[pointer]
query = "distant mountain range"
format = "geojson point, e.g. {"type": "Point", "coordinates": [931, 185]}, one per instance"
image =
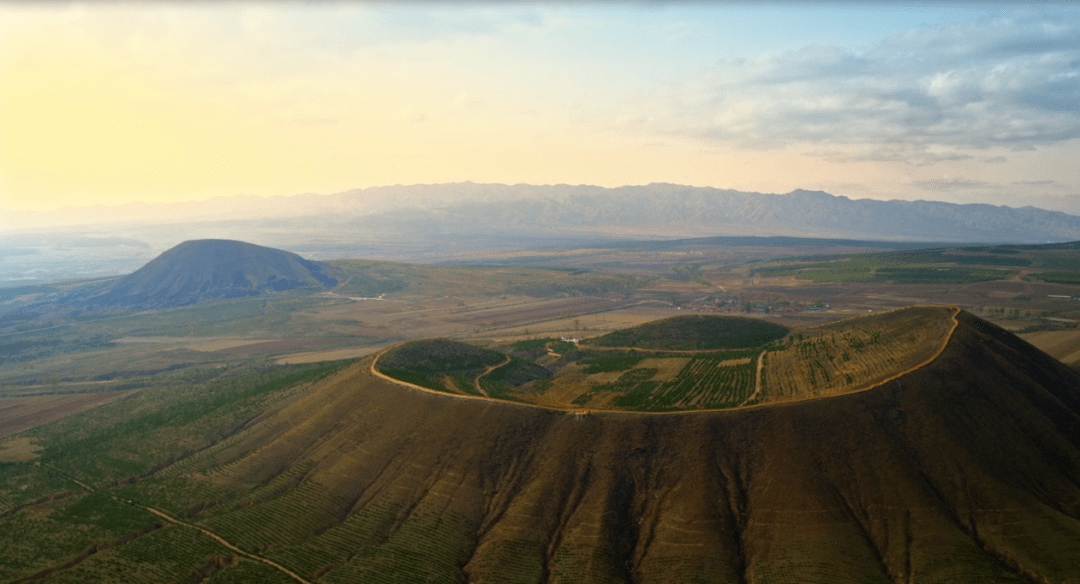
{"type": "Point", "coordinates": [439, 223]}
{"type": "Point", "coordinates": [674, 210]}
{"type": "Point", "coordinates": [655, 210]}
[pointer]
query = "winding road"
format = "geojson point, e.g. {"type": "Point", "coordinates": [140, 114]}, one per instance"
{"type": "Point", "coordinates": [476, 382]}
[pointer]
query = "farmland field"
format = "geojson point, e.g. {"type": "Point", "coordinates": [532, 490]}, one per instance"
{"type": "Point", "coordinates": [843, 356]}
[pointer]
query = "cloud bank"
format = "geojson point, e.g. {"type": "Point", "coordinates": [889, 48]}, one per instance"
{"type": "Point", "coordinates": [924, 96]}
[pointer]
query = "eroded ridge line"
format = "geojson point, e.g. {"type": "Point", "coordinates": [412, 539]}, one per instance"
{"type": "Point", "coordinates": [373, 368]}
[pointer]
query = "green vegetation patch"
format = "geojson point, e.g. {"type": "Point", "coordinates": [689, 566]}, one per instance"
{"type": "Point", "coordinates": [1057, 277]}
{"type": "Point", "coordinates": [708, 381]}
{"type": "Point", "coordinates": [576, 283]}
{"type": "Point", "coordinates": [371, 280]}
{"type": "Point", "coordinates": [133, 436]}
{"type": "Point", "coordinates": [938, 275]}
{"type": "Point", "coordinates": [696, 332]}
{"type": "Point", "coordinates": [421, 379]}
{"type": "Point", "coordinates": [634, 380]}
{"type": "Point", "coordinates": [39, 345]}
{"type": "Point", "coordinates": [607, 363]}
{"type": "Point", "coordinates": [902, 267]}
{"type": "Point", "coordinates": [426, 547]}
{"type": "Point", "coordinates": [501, 381]}
{"type": "Point", "coordinates": [438, 356]}
{"type": "Point", "coordinates": [1059, 261]}
{"type": "Point", "coordinates": [530, 349]}
{"type": "Point", "coordinates": [39, 538]}
{"type": "Point", "coordinates": [531, 344]}
{"type": "Point", "coordinates": [22, 483]}
{"type": "Point", "coordinates": [171, 553]}
{"type": "Point", "coordinates": [429, 363]}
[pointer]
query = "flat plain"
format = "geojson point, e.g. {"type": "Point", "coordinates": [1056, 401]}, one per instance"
{"type": "Point", "coordinates": [561, 293]}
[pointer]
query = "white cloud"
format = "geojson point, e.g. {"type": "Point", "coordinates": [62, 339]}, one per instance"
{"type": "Point", "coordinates": [925, 96]}
{"type": "Point", "coordinates": [949, 183]}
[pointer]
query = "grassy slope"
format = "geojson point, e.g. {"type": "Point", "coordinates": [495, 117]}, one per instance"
{"type": "Point", "coordinates": [47, 516]}
{"type": "Point", "coordinates": [371, 278]}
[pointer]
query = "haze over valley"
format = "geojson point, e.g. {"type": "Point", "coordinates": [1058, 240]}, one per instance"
{"type": "Point", "coordinates": [456, 222]}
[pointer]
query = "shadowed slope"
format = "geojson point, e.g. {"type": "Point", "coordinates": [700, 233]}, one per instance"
{"type": "Point", "coordinates": [966, 470]}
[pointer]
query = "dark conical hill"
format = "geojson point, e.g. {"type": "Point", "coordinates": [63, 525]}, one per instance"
{"type": "Point", "coordinates": [695, 332]}
{"type": "Point", "coordinates": [211, 269]}
{"type": "Point", "coordinates": [964, 470]}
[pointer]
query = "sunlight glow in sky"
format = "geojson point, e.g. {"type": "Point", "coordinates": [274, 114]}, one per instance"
{"type": "Point", "coordinates": [114, 103]}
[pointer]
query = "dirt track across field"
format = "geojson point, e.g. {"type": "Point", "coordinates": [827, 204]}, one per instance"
{"type": "Point", "coordinates": [228, 545]}
{"type": "Point", "coordinates": [476, 382]}
{"type": "Point", "coordinates": [207, 532]}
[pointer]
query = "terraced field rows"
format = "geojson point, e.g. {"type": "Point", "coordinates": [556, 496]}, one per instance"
{"type": "Point", "coordinates": [20, 485]}
{"type": "Point", "coordinates": [703, 381]}
{"type": "Point", "coordinates": [838, 358]}
{"type": "Point", "coordinates": [426, 547]}
{"type": "Point", "coordinates": [159, 556]}
{"type": "Point", "coordinates": [708, 381]}
{"type": "Point", "coordinates": [337, 545]}
{"type": "Point", "coordinates": [667, 369]}
{"type": "Point", "coordinates": [299, 508]}
{"type": "Point", "coordinates": [174, 495]}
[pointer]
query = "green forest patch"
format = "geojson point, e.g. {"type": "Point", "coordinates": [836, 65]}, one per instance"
{"type": "Point", "coordinates": [902, 267]}
{"type": "Point", "coordinates": [1057, 277]}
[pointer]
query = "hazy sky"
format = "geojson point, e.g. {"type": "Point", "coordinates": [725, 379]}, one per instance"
{"type": "Point", "coordinates": [113, 103]}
